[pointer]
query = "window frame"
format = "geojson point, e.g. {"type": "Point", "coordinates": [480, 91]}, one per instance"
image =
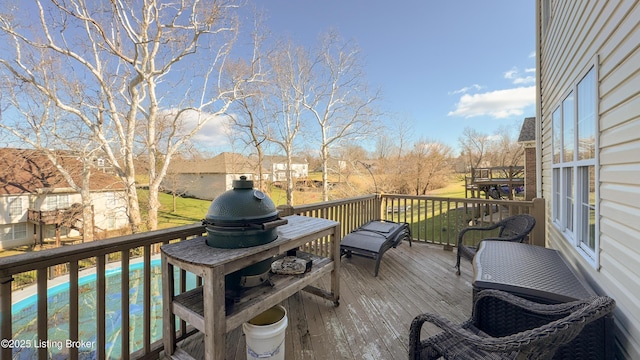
{"type": "Point", "coordinates": [16, 209]}
{"type": "Point", "coordinates": [575, 210]}
{"type": "Point", "coordinates": [8, 232]}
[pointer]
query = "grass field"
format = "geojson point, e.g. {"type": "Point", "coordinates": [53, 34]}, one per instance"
{"type": "Point", "coordinates": [189, 211]}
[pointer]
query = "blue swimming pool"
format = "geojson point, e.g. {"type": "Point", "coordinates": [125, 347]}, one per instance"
{"type": "Point", "coordinates": [24, 315]}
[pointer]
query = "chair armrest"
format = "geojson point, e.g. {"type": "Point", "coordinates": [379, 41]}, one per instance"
{"type": "Point", "coordinates": [475, 228]}
{"type": "Point", "coordinates": [539, 342]}
{"type": "Point", "coordinates": [524, 304]}
{"type": "Point", "coordinates": [514, 238]}
{"type": "Point", "coordinates": [441, 322]}
{"type": "Point", "coordinates": [464, 336]}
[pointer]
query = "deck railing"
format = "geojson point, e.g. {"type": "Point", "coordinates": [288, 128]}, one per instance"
{"type": "Point", "coordinates": [439, 220]}
{"type": "Point", "coordinates": [99, 257]}
{"type": "Point", "coordinates": [432, 219]}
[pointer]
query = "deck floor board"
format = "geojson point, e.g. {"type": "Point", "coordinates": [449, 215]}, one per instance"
{"type": "Point", "coordinates": [373, 319]}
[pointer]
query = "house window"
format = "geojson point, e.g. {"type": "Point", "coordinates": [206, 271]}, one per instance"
{"type": "Point", "coordinates": [574, 165]}
{"type": "Point", "coordinates": [13, 231]}
{"type": "Point", "coordinates": [111, 200]}
{"type": "Point", "coordinates": [60, 201]}
{"type": "Point", "coordinates": [15, 206]}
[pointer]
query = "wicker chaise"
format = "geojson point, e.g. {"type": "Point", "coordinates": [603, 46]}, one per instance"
{"type": "Point", "coordinates": [514, 228]}
{"type": "Point", "coordinates": [471, 341]}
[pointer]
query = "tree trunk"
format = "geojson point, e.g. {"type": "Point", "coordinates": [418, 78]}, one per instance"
{"type": "Point", "coordinates": [133, 206]}
{"type": "Point", "coordinates": [154, 205]}
{"type": "Point", "coordinates": [325, 173]}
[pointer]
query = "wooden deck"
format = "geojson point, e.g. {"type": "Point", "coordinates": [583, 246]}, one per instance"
{"type": "Point", "coordinates": [372, 321]}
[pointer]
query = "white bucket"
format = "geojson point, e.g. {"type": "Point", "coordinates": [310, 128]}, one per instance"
{"type": "Point", "coordinates": [265, 334]}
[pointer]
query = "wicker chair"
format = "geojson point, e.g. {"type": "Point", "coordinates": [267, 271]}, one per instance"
{"type": "Point", "coordinates": [514, 228]}
{"type": "Point", "coordinates": [468, 341]}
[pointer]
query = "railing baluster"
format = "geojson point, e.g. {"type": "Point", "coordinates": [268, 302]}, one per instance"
{"type": "Point", "coordinates": [5, 315]}
{"type": "Point", "coordinates": [146, 311]}
{"type": "Point", "coordinates": [101, 287]}
{"type": "Point", "coordinates": [124, 299]}
{"type": "Point", "coordinates": [43, 317]}
{"type": "Point", "coordinates": [183, 288]}
{"type": "Point", "coordinates": [73, 308]}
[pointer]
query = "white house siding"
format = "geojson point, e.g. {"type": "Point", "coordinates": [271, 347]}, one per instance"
{"type": "Point", "coordinates": [607, 34]}
{"type": "Point", "coordinates": [110, 209]}
{"type": "Point", "coordinates": [109, 213]}
{"type": "Point", "coordinates": [205, 186]}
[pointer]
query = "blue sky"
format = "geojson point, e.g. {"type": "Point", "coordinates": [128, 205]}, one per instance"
{"type": "Point", "coordinates": [441, 65]}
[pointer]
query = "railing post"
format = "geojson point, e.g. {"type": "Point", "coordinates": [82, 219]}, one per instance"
{"type": "Point", "coordinates": [378, 206]}
{"type": "Point", "coordinates": [285, 210]}
{"type": "Point", "coordinates": [5, 315]}
{"type": "Point", "coordinates": [538, 211]}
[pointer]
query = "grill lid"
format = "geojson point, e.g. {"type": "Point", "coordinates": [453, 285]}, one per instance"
{"type": "Point", "coordinates": [240, 206]}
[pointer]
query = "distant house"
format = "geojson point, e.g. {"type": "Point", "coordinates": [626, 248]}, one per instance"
{"type": "Point", "coordinates": [37, 203]}
{"type": "Point", "coordinates": [276, 167]}
{"type": "Point", "coordinates": [207, 178]}
{"type": "Point", "coordinates": [588, 126]}
{"type": "Point", "coordinates": [527, 139]}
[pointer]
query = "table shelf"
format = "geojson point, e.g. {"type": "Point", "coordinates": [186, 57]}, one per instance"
{"type": "Point", "coordinates": [190, 305]}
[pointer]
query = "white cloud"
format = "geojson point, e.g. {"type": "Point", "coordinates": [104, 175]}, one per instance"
{"type": "Point", "coordinates": [498, 104]}
{"type": "Point", "coordinates": [511, 73]}
{"type": "Point", "coordinates": [524, 80]}
{"type": "Point", "coordinates": [465, 90]}
{"type": "Point", "coordinates": [517, 79]}
{"type": "Point", "coordinates": [216, 128]}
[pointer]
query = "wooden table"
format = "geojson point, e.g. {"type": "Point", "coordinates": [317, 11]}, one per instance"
{"type": "Point", "coordinates": [204, 306]}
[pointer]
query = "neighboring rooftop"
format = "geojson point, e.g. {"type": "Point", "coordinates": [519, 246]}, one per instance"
{"type": "Point", "coordinates": [528, 130]}
{"type": "Point", "coordinates": [224, 163]}
{"type": "Point", "coordinates": [30, 171]}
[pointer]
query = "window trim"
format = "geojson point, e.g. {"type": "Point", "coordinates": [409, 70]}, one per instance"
{"type": "Point", "coordinates": [16, 207]}
{"type": "Point", "coordinates": [559, 216]}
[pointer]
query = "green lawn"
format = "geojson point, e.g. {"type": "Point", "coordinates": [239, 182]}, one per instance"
{"type": "Point", "coordinates": [434, 222]}
{"type": "Point", "coordinates": [188, 211]}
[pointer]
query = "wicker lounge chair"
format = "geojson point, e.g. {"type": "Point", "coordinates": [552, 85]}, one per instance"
{"type": "Point", "coordinates": [514, 228]}
{"type": "Point", "coordinates": [561, 323]}
{"type": "Point", "coordinates": [374, 238]}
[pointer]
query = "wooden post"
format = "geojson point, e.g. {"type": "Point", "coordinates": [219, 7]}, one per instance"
{"type": "Point", "coordinates": [285, 210]}
{"type": "Point", "coordinates": [539, 231]}
{"type": "Point", "coordinates": [5, 315]}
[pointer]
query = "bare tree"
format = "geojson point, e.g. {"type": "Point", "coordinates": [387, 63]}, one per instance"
{"type": "Point", "coordinates": [125, 64]}
{"type": "Point", "coordinates": [283, 98]}
{"type": "Point", "coordinates": [474, 146]}
{"type": "Point", "coordinates": [430, 165]}
{"type": "Point", "coordinates": [338, 98]}
{"type": "Point", "coordinates": [249, 78]}
{"type": "Point", "coordinates": [391, 169]}
{"type": "Point", "coordinates": [504, 149]}
{"type": "Point", "coordinates": [37, 123]}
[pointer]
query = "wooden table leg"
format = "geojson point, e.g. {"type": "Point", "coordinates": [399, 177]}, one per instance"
{"type": "Point", "coordinates": [168, 318]}
{"type": "Point", "coordinates": [215, 321]}
{"type": "Point", "coordinates": [335, 273]}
